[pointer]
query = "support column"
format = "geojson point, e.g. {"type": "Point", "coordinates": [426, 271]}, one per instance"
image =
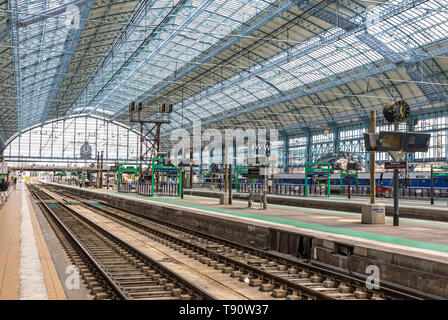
{"type": "Point", "coordinates": [200, 163]}
{"type": "Point", "coordinates": [411, 127]}
{"type": "Point", "coordinates": [286, 154]}
{"type": "Point", "coordinates": [336, 139]}
{"type": "Point", "coordinates": [366, 153]}
{"type": "Point", "coordinates": [309, 143]}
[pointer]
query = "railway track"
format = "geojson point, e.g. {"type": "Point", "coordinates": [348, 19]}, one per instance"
{"type": "Point", "coordinates": [111, 268]}
{"type": "Point", "coordinates": [283, 277]}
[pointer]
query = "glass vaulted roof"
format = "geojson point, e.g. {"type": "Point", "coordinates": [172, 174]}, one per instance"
{"type": "Point", "coordinates": [167, 35]}
{"type": "Point", "coordinates": [160, 43]}
{"type": "Point", "coordinates": [41, 48]}
{"type": "Point", "coordinates": [324, 57]}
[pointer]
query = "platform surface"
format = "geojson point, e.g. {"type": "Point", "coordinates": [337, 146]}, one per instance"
{"type": "Point", "coordinates": [26, 267]}
{"type": "Point", "coordinates": [420, 238]}
{"type": "Point", "coordinates": [439, 204]}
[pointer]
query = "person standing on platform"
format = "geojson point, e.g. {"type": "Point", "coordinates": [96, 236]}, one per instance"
{"type": "Point", "coordinates": [4, 190]}
{"type": "Point", "coordinates": [15, 183]}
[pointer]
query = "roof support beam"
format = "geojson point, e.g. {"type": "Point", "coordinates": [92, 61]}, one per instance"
{"type": "Point", "coordinates": [415, 71]}
{"type": "Point", "coordinates": [270, 16]}
{"type": "Point", "coordinates": [43, 15]}
{"type": "Point", "coordinates": [4, 33]}
{"type": "Point", "coordinates": [70, 48]}
{"type": "Point", "coordinates": [295, 52]}
{"type": "Point", "coordinates": [14, 18]}
{"type": "Point", "coordinates": [134, 21]}
{"type": "Point", "coordinates": [153, 53]}
{"type": "Point", "coordinates": [365, 37]}
{"type": "Point", "coordinates": [418, 73]}
{"type": "Point", "coordinates": [322, 87]}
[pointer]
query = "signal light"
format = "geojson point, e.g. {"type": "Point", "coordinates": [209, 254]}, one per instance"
{"type": "Point", "coordinates": [164, 108]}
{"type": "Point", "coordinates": [132, 106]}
{"type": "Point", "coordinates": [140, 106]}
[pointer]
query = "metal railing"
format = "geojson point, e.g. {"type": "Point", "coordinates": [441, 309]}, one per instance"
{"type": "Point", "coordinates": [163, 189]}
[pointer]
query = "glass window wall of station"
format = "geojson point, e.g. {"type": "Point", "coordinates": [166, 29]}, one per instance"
{"type": "Point", "coordinates": [76, 140]}
{"type": "Point", "coordinates": [297, 152]}
{"type": "Point", "coordinates": [438, 127]}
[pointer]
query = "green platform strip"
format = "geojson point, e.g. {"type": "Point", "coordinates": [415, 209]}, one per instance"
{"type": "Point", "coordinates": [404, 202]}
{"type": "Point", "coordinates": [52, 205]}
{"type": "Point", "coordinates": [358, 200]}
{"type": "Point", "coordinates": [347, 232]}
{"type": "Point", "coordinates": [297, 210]}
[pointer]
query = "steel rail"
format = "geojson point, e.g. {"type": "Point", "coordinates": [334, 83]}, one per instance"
{"type": "Point", "coordinates": [263, 254]}
{"type": "Point", "coordinates": [73, 239]}
{"type": "Point", "coordinates": [387, 289]}
{"type": "Point", "coordinates": [180, 280]}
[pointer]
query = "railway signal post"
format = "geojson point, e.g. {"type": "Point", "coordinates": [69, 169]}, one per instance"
{"type": "Point", "coordinates": [397, 144]}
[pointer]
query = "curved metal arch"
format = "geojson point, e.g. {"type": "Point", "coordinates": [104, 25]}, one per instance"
{"type": "Point", "coordinates": [338, 77]}
{"type": "Point", "coordinates": [38, 94]}
{"type": "Point", "coordinates": [239, 88]}
{"type": "Point", "coordinates": [439, 74]}
{"type": "Point", "coordinates": [412, 39]}
{"type": "Point", "coordinates": [278, 91]}
{"type": "Point", "coordinates": [209, 98]}
{"type": "Point", "coordinates": [55, 29]}
{"type": "Point", "coordinates": [224, 109]}
{"type": "Point", "coordinates": [197, 11]}
{"type": "Point", "coordinates": [264, 59]}
{"type": "Point", "coordinates": [257, 99]}
{"type": "Point", "coordinates": [37, 125]}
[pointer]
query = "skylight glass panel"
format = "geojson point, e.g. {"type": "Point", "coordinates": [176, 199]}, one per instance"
{"type": "Point", "coordinates": [424, 24]}
{"type": "Point", "coordinates": [42, 45]}
{"type": "Point", "coordinates": [181, 49]}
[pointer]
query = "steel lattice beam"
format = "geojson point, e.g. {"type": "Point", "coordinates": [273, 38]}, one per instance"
{"type": "Point", "coordinates": [234, 40]}
{"type": "Point", "coordinates": [415, 71]}
{"type": "Point", "coordinates": [197, 11]}
{"type": "Point", "coordinates": [319, 88]}
{"type": "Point", "coordinates": [273, 14]}
{"type": "Point", "coordinates": [38, 17]}
{"type": "Point", "coordinates": [69, 47]}
{"type": "Point", "coordinates": [295, 53]}
{"type": "Point", "coordinates": [14, 18]}
{"type": "Point", "coordinates": [4, 33]}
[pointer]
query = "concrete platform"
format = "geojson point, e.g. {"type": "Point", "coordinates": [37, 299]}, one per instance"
{"type": "Point", "coordinates": [414, 255]}
{"type": "Point", "coordinates": [27, 266]}
{"type": "Point", "coordinates": [420, 209]}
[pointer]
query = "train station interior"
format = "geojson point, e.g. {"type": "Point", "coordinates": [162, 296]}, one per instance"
{"type": "Point", "coordinates": [194, 150]}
